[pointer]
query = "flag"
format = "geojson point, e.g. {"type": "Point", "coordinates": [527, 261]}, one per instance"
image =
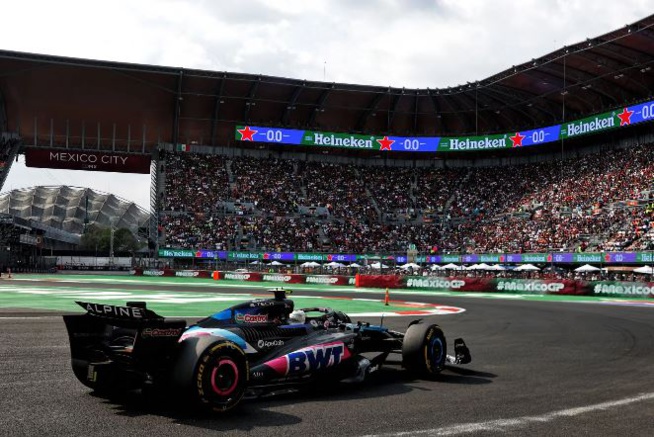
{"type": "Point", "coordinates": [183, 148]}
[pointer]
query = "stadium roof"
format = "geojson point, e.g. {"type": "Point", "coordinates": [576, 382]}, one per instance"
{"type": "Point", "coordinates": [63, 207]}
{"type": "Point", "coordinates": [55, 100]}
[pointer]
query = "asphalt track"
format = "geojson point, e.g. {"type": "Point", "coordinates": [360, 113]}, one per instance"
{"type": "Point", "coordinates": [539, 368]}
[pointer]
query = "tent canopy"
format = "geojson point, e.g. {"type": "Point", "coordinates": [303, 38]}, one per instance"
{"type": "Point", "coordinates": [587, 268]}
{"type": "Point", "coordinates": [410, 266]}
{"type": "Point", "coordinates": [451, 266]}
{"type": "Point", "coordinates": [527, 268]}
{"type": "Point", "coordinates": [334, 264]}
{"type": "Point", "coordinates": [310, 264]}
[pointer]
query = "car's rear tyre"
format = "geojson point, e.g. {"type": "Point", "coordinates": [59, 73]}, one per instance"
{"type": "Point", "coordinates": [214, 373]}
{"type": "Point", "coordinates": [424, 350]}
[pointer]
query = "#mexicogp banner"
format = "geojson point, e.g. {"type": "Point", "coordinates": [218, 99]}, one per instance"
{"type": "Point", "coordinates": [490, 285]}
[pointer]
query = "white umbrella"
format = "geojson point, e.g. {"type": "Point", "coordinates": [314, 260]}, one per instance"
{"type": "Point", "coordinates": [472, 267]}
{"type": "Point", "coordinates": [496, 267]}
{"type": "Point", "coordinates": [378, 265]}
{"type": "Point", "coordinates": [648, 270]}
{"type": "Point", "coordinates": [276, 263]}
{"type": "Point", "coordinates": [354, 265]}
{"type": "Point", "coordinates": [255, 262]}
{"type": "Point", "coordinates": [310, 264]}
{"type": "Point", "coordinates": [587, 268]}
{"type": "Point", "coordinates": [527, 268]}
{"type": "Point", "coordinates": [334, 264]}
{"type": "Point", "coordinates": [410, 266]}
{"type": "Point", "coordinates": [436, 267]}
{"type": "Point", "coordinates": [452, 267]}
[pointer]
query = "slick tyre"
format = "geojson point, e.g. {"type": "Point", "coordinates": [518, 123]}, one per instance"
{"type": "Point", "coordinates": [214, 373]}
{"type": "Point", "coordinates": [424, 350]}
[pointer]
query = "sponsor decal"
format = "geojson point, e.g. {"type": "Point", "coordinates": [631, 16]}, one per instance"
{"type": "Point", "coordinates": [115, 311]}
{"type": "Point", "coordinates": [321, 280]}
{"type": "Point", "coordinates": [270, 343]}
{"type": "Point", "coordinates": [261, 303]}
{"type": "Point", "coordinates": [238, 276]}
{"type": "Point", "coordinates": [251, 318]}
{"type": "Point", "coordinates": [435, 283]}
{"type": "Point", "coordinates": [589, 125]}
{"type": "Point", "coordinates": [187, 274]}
{"type": "Point", "coordinates": [176, 253]}
{"type": "Point", "coordinates": [626, 289]}
{"type": "Point", "coordinates": [477, 143]}
{"type": "Point", "coordinates": [153, 272]}
{"type": "Point", "coordinates": [161, 332]}
{"type": "Point", "coordinates": [341, 140]}
{"type": "Point", "coordinates": [538, 287]}
{"type": "Point", "coordinates": [277, 278]}
{"type": "Point", "coordinates": [310, 359]}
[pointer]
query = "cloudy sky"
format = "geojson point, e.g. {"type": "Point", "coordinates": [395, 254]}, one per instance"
{"type": "Point", "coordinates": [411, 43]}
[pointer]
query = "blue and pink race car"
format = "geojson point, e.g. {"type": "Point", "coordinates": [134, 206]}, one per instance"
{"type": "Point", "coordinates": [253, 348]}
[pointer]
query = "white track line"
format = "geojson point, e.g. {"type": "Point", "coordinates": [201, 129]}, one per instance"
{"type": "Point", "coordinates": [504, 425]}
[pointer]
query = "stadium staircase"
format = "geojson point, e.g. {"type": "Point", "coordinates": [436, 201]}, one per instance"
{"type": "Point", "coordinates": [230, 173]}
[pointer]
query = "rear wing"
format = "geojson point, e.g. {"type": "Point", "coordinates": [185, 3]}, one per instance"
{"type": "Point", "coordinates": [134, 313]}
{"type": "Point", "coordinates": [145, 334]}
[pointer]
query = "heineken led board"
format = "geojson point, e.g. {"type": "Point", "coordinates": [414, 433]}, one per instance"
{"type": "Point", "coordinates": [598, 123]}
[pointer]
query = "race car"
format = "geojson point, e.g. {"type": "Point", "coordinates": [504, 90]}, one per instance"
{"type": "Point", "coordinates": [253, 348]}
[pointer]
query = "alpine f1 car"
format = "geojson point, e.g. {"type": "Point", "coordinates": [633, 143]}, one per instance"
{"type": "Point", "coordinates": [256, 347]}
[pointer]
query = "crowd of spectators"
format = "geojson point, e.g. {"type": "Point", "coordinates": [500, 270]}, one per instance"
{"type": "Point", "coordinates": [272, 185]}
{"type": "Point", "coordinates": [594, 202]}
{"type": "Point", "coordinates": [337, 187]}
{"type": "Point", "coordinates": [194, 183]}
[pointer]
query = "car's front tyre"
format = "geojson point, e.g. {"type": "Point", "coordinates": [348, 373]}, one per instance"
{"type": "Point", "coordinates": [424, 350]}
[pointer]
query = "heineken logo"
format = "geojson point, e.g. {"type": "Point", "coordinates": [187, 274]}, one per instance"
{"type": "Point", "coordinates": [321, 139]}
{"type": "Point", "coordinates": [587, 126]}
{"type": "Point", "coordinates": [477, 144]}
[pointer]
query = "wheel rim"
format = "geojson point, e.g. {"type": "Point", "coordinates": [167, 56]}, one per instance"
{"type": "Point", "coordinates": [436, 352]}
{"type": "Point", "coordinates": [224, 377]}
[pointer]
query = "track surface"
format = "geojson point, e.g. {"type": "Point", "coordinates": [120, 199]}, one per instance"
{"type": "Point", "coordinates": [539, 368]}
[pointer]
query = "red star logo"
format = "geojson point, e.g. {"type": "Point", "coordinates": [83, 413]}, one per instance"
{"type": "Point", "coordinates": [266, 256]}
{"type": "Point", "coordinates": [330, 257]}
{"type": "Point", "coordinates": [501, 258]}
{"type": "Point", "coordinates": [247, 134]}
{"type": "Point", "coordinates": [549, 258]}
{"type": "Point", "coordinates": [517, 139]}
{"type": "Point", "coordinates": [625, 117]}
{"type": "Point", "coordinates": [607, 257]}
{"type": "Point", "coordinates": [198, 254]}
{"type": "Point", "coordinates": [385, 143]}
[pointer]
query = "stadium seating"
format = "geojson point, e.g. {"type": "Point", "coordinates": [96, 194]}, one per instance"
{"type": "Point", "coordinates": [600, 201]}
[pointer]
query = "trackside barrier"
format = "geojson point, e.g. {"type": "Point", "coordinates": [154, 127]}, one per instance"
{"type": "Point", "coordinates": [486, 285]}
{"type": "Point", "coordinates": [249, 276]}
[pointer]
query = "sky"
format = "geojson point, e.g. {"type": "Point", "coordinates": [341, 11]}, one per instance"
{"type": "Point", "coordinates": [410, 43]}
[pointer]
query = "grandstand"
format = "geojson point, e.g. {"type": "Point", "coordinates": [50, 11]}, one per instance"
{"type": "Point", "coordinates": [356, 178]}
{"type": "Point", "coordinates": [596, 202]}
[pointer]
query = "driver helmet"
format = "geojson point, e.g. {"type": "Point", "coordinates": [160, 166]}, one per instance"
{"type": "Point", "coordinates": [297, 316]}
